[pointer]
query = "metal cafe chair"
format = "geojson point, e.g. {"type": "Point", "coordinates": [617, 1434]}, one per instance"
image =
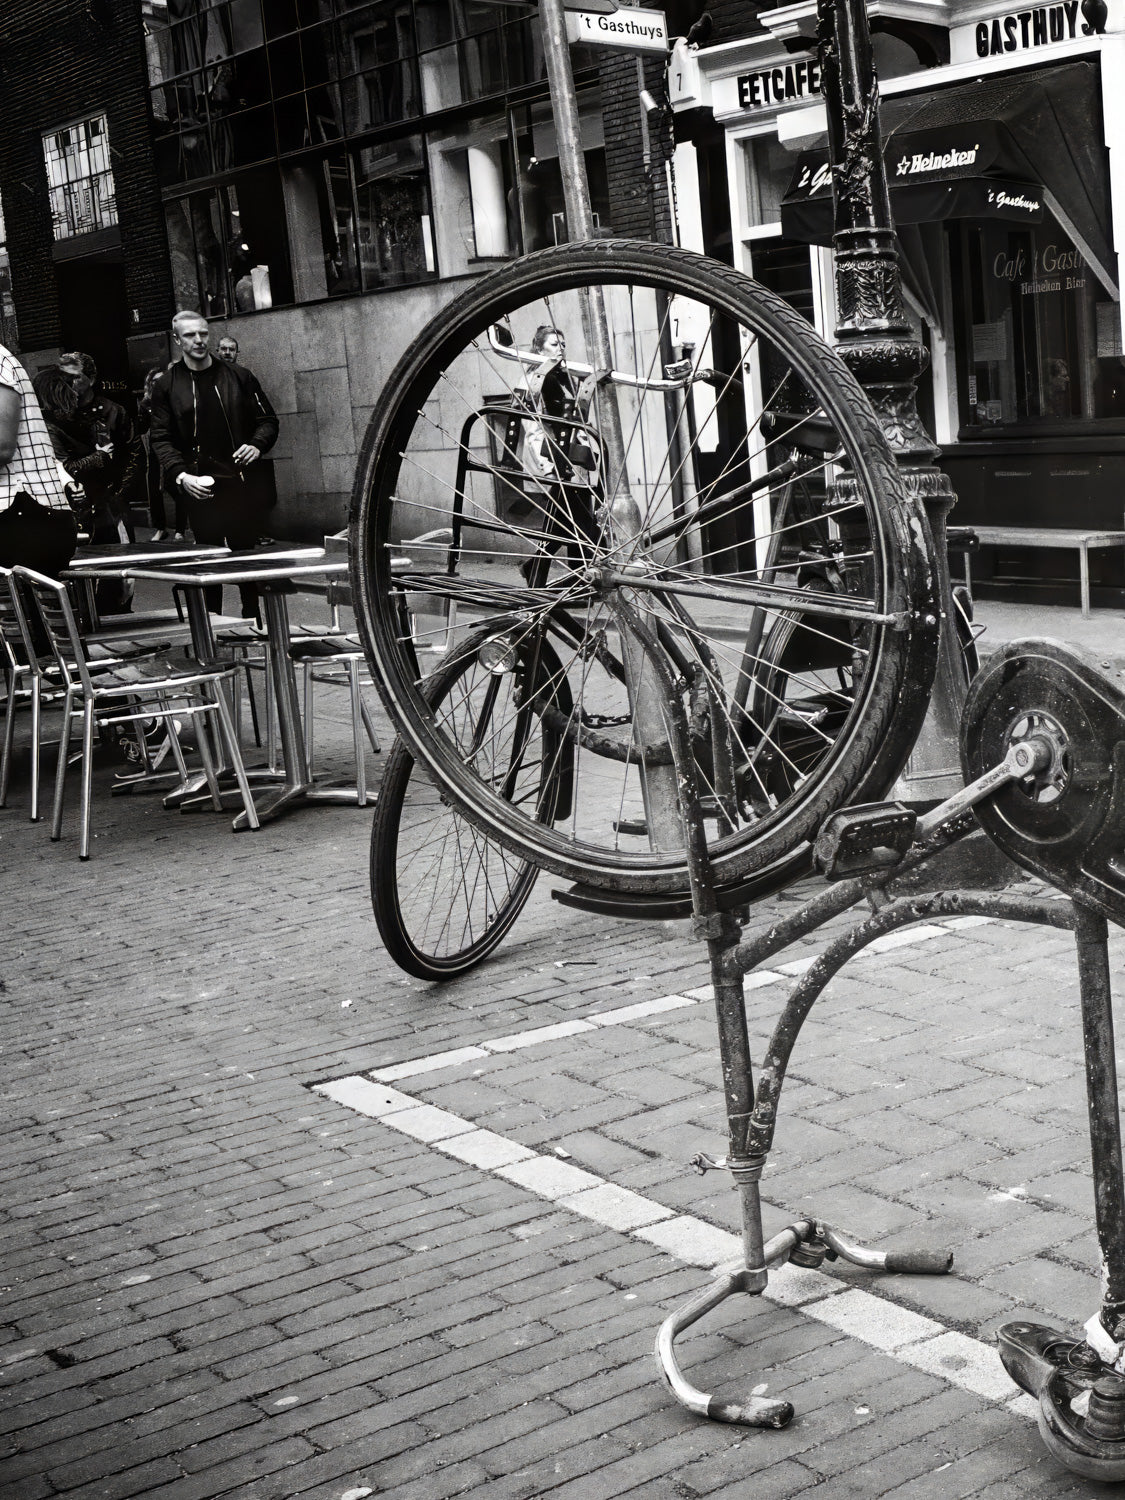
{"type": "Point", "coordinates": [35, 677]}
{"type": "Point", "coordinates": [22, 685]}
{"type": "Point", "coordinates": [128, 693]}
{"type": "Point", "coordinates": [336, 658]}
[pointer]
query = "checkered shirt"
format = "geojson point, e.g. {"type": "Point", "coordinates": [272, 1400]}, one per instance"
{"type": "Point", "coordinates": [32, 466]}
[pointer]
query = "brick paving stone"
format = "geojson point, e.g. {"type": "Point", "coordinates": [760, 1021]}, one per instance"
{"type": "Point", "coordinates": [137, 1143]}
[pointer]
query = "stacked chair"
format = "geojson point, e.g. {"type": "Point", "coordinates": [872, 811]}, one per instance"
{"type": "Point", "coordinates": [105, 693]}
{"type": "Point", "coordinates": [332, 657]}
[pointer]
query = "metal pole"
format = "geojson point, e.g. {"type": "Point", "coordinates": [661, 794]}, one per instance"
{"type": "Point", "coordinates": [876, 340]}
{"type": "Point", "coordinates": [658, 783]}
{"type": "Point", "coordinates": [1105, 1118]}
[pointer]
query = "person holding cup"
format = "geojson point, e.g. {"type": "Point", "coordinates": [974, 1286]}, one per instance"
{"type": "Point", "coordinates": [211, 425]}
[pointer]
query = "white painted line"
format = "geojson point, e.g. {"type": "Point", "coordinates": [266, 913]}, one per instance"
{"type": "Point", "coordinates": [642, 1008]}
{"type": "Point", "coordinates": [427, 1123]}
{"type": "Point", "coordinates": [430, 1064]}
{"type": "Point", "coordinates": [897, 1331]}
{"type": "Point", "coordinates": [884, 1325]}
{"type": "Point", "coordinates": [955, 924]}
{"type": "Point", "coordinates": [1024, 1406]}
{"type": "Point", "coordinates": [693, 1240]}
{"type": "Point", "coordinates": [798, 965]}
{"type": "Point", "coordinates": [965, 1362]}
{"type": "Point", "coordinates": [626, 1014]}
{"type": "Point", "coordinates": [615, 1207]}
{"type": "Point", "coordinates": [903, 938]}
{"type": "Point", "coordinates": [548, 1177]}
{"type": "Point", "coordinates": [793, 1286]}
{"type": "Point", "coordinates": [755, 981]}
{"type": "Point", "coordinates": [533, 1038]}
{"type": "Point", "coordinates": [366, 1098]}
{"type": "Point", "coordinates": [484, 1149]}
{"type": "Point", "coordinates": [758, 980]}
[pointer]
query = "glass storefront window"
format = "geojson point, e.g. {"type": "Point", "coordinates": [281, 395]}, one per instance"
{"type": "Point", "coordinates": [377, 64]}
{"type": "Point", "coordinates": [396, 237]}
{"type": "Point", "coordinates": [1039, 338]}
{"type": "Point", "coordinates": [769, 168]}
{"type": "Point", "coordinates": [328, 70]}
{"type": "Point", "coordinates": [290, 92]}
{"type": "Point", "coordinates": [229, 247]}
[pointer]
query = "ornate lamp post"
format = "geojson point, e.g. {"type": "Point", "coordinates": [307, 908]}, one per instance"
{"type": "Point", "coordinates": [876, 340]}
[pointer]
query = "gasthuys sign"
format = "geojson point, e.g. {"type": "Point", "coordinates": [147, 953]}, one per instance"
{"type": "Point", "coordinates": [1038, 26]}
{"type": "Point", "coordinates": [636, 30]}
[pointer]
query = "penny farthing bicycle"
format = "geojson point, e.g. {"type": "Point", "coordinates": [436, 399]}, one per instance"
{"type": "Point", "coordinates": [707, 511]}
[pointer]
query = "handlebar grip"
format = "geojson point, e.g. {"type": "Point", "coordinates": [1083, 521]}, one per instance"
{"type": "Point", "coordinates": [919, 1262]}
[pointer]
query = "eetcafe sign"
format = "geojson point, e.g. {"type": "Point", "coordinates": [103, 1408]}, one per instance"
{"type": "Point", "coordinates": [780, 85]}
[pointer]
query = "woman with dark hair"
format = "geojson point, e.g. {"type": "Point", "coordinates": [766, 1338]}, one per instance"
{"type": "Point", "coordinates": [91, 441]}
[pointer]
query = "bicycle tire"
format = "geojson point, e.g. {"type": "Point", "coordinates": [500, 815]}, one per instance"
{"type": "Point", "coordinates": [900, 628]}
{"type": "Point", "coordinates": [444, 894]}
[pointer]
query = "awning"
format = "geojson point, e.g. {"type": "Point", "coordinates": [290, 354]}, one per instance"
{"type": "Point", "coordinates": [992, 148]}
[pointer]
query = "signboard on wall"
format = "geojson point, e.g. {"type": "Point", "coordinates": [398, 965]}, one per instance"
{"type": "Point", "coordinates": [634, 29]}
{"type": "Point", "coordinates": [780, 85]}
{"type": "Point", "coordinates": [1032, 28]}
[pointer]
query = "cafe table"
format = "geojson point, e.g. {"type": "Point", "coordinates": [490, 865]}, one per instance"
{"type": "Point", "coordinates": [113, 560]}
{"type": "Point", "coordinates": [274, 570]}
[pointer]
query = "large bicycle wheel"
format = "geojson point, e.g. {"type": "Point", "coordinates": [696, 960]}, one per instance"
{"type": "Point", "coordinates": [644, 522]}
{"type": "Point", "coordinates": [445, 894]}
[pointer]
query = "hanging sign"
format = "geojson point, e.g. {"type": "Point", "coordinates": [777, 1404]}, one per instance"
{"type": "Point", "coordinates": [631, 28]}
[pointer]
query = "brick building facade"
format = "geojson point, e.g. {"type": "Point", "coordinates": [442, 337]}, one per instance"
{"type": "Point", "coordinates": [64, 63]}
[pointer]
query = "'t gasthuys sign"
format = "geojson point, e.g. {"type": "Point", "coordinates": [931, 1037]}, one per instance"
{"type": "Point", "coordinates": [638, 30]}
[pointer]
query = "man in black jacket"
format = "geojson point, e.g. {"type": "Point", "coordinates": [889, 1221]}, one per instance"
{"type": "Point", "coordinates": [211, 424]}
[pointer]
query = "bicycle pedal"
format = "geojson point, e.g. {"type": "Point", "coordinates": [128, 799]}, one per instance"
{"type": "Point", "coordinates": [864, 840]}
{"type": "Point", "coordinates": [634, 828]}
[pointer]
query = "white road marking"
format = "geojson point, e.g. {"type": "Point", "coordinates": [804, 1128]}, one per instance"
{"type": "Point", "coordinates": [896, 1331]}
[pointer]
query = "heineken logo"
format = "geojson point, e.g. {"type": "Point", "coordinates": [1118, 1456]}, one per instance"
{"type": "Point", "coordinates": [935, 161]}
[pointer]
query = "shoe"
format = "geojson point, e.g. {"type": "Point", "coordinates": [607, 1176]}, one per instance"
{"type": "Point", "coordinates": [179, 536]}
{"type": "Point", "coordinates": [161, 536]}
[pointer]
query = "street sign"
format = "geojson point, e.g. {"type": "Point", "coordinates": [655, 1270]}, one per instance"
{"type": "Point", "coordinates": [633, 29]}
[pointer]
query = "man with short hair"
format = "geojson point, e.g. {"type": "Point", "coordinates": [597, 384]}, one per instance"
{"type": "Point", "coordinates": [211, 424]}
{"type": "Point", "coordinates": [228, 349]}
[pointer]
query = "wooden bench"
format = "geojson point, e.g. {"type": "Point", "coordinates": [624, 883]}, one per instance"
{"type": "Point", "coordinates": [1051, 536]}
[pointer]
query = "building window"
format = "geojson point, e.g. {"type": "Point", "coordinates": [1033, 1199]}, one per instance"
{"type": "Point", "coordinates": [80, 178]}
{"type": "Point", "coordinates": [229, 246]}
{"type": "Point", "coordinates": [1039, 339]}
{"type": "Point", "coordinates": [290, 142]}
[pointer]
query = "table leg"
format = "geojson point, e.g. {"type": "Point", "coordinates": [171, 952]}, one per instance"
{"type": "Point", "coordinates": [299, 785]}
{"type": "Point", "coordinates": [195, 792]}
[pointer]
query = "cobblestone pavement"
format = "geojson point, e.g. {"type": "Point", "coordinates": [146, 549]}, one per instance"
{"type": "Point", "coordinates": [236, 1263]}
